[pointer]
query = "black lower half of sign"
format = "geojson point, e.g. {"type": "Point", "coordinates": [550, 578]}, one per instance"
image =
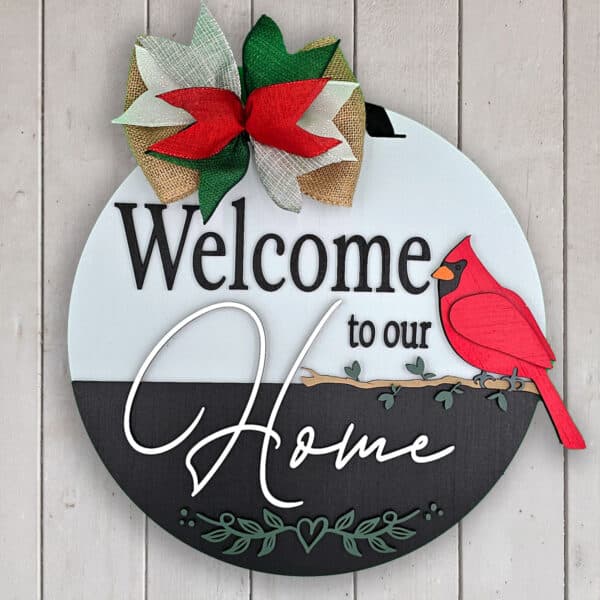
{"type": "Point", "coordinates": [351, 518]}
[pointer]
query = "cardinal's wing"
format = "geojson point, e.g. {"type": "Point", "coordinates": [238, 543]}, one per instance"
{"type": "Point", "coordinates": [492, 320]}
{"type": "Point", "coordinates": [524, 310]}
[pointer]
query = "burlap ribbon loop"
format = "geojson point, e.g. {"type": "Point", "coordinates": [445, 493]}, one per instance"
{"type": "Point", "coordinates": [335, 184]}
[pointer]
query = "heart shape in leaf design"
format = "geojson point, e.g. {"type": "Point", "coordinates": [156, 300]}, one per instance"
{"type": "Point", "coordinates": [311, 531]}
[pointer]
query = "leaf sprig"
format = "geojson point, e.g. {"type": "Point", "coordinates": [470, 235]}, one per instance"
{"type": "Point", "coordinates": [388, 398]}
{"type": "Point", "coordinates": [354, 371]}
{"type": "Point", "coordinates": [309, 531]}
{"type": "Point", "coordinates": [447, 396]}
{"type": "Point", "coordinates": [500, 399]}
{"type": "Point", "coordinates": [418, 368]}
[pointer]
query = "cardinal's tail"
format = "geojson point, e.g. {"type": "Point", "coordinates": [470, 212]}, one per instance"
{"type": "Point", "coordinates": [563, 423]}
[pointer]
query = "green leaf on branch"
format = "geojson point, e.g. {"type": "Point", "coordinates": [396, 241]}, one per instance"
{"type": "Point", "coordinates": [380, 546]}
{"type": "Point", "coordinates": [446, 398]}
{"type": "Point", "coordinates": [216, 535]}
{"type": "Point", "coordinates": [271, 519]}
{"type": "Point", "coordinates": [502, 402]}
{"type": "Point", "coordinates": [367, 526]}
{"type": "Point", "coordinates": [351, 547]}
{"type": "Point", "coordinates": [344, 521]}
{"type": "Point", "coordinates": [268, 545]}
{"type": "Point", "coordinates": [418, 368]}
{"type": "Point", "coordinates": [443, 396]}
{"type": "Point", "coordinates": [239, 546]}
{"type": "Point", "coordinates": [500, 399]}
{"type": "Point", "coordinates": [250, 526]}
{"type": "Point", "coordinates": [387, 399]}
{"type": "Point", "coordinates": [354, 371]}
{"type": "Point", "coordinates": [401, 533]}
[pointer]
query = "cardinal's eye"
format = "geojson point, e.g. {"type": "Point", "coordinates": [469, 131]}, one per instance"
{"type": "Point", "coordinates": [459, 267]}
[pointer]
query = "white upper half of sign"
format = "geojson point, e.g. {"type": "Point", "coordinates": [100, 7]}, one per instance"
{"type": "Point", "coordinates": [420, 186]}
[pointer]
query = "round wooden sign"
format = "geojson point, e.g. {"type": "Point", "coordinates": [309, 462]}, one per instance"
{"type": "Point", "coordinates": [285, 392]}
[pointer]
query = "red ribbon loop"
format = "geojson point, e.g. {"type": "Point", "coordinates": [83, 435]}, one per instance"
{"type": "Point", "coordinates": [270, 116]}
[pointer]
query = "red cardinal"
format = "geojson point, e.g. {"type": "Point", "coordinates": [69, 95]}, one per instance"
{"type": "Point", "coordinates": [491, 328]}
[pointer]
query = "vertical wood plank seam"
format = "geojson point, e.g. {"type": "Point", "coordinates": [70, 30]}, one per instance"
{"type": "Point", "coordinates": [459, 37]}
{"type": "Point", "coordinates": [250, 593]}
{"type": "Point", "coordinates": [354, 35]}
{"type": "Point", "coordinates": [459, 118]}
{"type": "Point", "coordinates": [40, 303]}
{"type": "Point", "coordinates": [355, 70]}
{"type": "Point", "coordinates": [145, 534]}
{"type": "Point", "coordinates": [565, 303]}
{"type": "Point", "coordinates": [250, 574]}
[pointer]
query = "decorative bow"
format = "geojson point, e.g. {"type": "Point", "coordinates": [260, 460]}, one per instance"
{"type": "Point", "coordinates": [193, 108]}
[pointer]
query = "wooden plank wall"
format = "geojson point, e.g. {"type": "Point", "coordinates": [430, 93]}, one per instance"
{"type": "Point", "coordinates": [20, 283]}
{"type": "Point", "coordinates": [516, 84]}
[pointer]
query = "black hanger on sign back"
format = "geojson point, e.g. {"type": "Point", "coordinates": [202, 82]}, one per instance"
{"type": "Point", "coordinates": [379, 124]}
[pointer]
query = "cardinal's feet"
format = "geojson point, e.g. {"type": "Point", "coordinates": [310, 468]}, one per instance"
{"type": "Point", "coordinates": [482, 378]}
{"type": "Point", "coordinates": [514, 382]}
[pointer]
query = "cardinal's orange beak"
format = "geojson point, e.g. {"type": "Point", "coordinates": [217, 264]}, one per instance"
{"type": "Point", "coordinates": [443, 273]}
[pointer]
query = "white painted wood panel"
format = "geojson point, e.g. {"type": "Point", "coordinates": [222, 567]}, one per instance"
{"type": "Point", "coordinates": [20, 98]}
{"type": "Point", "coordinates": [93, 536]}
{"type": "Point", "coordinates": [279, 587]}
{"type": "Point", "coordinates": [411, 66]}
{"type": "Point", "coordinates": [299, 25]}
{"type": "Point", "coordinates": [582, 88]}
{"type": "Point", "coordinates": [174, 569]}
{"type": "Point", "coordinates": [407, 59]}
{"type": "Point", "coordinates": [512, 543]}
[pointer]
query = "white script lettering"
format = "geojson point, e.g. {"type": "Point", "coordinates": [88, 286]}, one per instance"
{"type": "Point", "coordinates": [363, 448]}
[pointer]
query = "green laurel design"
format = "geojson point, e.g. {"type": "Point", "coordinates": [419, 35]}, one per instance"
{"type": "Point", "coordinates": [309, 531]}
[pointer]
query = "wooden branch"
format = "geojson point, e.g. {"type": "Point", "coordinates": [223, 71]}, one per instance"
{"type": "Point", "coordinates": [498, 384]}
